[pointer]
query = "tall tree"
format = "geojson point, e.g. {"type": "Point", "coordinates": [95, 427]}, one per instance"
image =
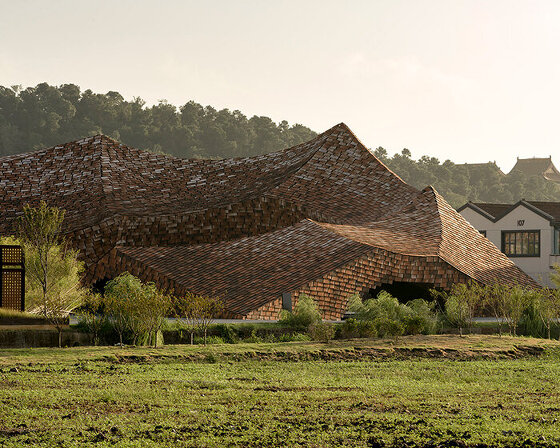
{"type": "Point", "coordinates": [53, 272]}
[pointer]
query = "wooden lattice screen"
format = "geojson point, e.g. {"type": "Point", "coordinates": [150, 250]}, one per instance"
{"type": "Point", "coordinates": [12, 278]}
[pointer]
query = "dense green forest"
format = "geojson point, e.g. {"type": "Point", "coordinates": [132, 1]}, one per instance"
{"type": "Point", "coordinates": [42, 116]}
{"type": "Point", "coordinates": [460, 183]}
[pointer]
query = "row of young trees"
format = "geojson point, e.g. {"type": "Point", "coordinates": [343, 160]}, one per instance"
{"type": "Point", "coordinates": [45, 115]}
{"type": "Point", "coordinates": [137, 311]}
{"type": "Point", "coordinates": [508, 304]}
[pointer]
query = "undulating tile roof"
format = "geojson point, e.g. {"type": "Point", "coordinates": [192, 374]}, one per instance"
{"type": "Point", "coordinates": [325, 216]}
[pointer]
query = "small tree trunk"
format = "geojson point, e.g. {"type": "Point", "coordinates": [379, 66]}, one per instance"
{"type": "Point", "coordinates": [205, 335]}
{"type": "Point", "coordinates": [59, 337]}
{"type": "Point", "coordinates": [192, 337]}
{"type": "Point", "coordinates": [548, 331]}
{"type": "Point", "coordinates": [461, 331]}
{"type": "Point", "coordinates": [120, 339]}
{"type": "Point", "coordinates": [155, 338]}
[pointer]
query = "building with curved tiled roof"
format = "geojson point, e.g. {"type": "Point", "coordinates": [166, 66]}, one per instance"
{"type": "Point", "coordinates": [325, 217]}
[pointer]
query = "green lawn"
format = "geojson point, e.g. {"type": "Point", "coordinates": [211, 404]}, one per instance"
{"type": "Point", "coordinates": [419, 391]}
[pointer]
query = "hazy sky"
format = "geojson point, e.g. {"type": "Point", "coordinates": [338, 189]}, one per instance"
{"type": "Point", "coordinates": [471, 81]}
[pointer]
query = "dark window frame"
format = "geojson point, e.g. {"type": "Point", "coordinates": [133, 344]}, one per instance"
{"type": "Point", "coordinates": [513, 244]}
{"type": "Point", "coordinates": [556, 241]}
{"type": "Point", "coordinates": [482, 232]}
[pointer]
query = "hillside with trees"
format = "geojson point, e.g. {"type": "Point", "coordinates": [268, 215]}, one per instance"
{"type": "Point", "coordinates": [45, 115]}
{"type": "Point", "coordinates": [42, 116]}
{"type": "Point", "coordinates": [460, 183]}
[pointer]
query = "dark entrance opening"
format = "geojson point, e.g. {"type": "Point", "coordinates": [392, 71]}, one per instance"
{"type": "Point", "coordinates": [99, 285]}
{"type": "Point", "coordinates": [404, 291]}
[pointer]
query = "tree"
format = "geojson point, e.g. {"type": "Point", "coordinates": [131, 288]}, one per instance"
{"type": "Point", "coordinates": [515, 304]}
{"type": "Point", "coordinates": [205, 310]}
{"type": "Point", "coordinates": [461, 303]}
{"type": "Point", "coordinates": [549, 307]}
{"type": "Point", "coordinates": [494, 298]}
{"type": "Point", "coordinates": [136, 307]}
{"type": "Point", "coordinates": [92, 314]}
{"type": "Point", "coordinates": [117, 305]}
{"type": "Point", "coordinates": [155, 308]}
{"type": "Point", "coordinates": [184, 308]}
{"type": "Point", "coordinates": [53, 272]}
{"type": "Point", "coordinates": [44, 115]}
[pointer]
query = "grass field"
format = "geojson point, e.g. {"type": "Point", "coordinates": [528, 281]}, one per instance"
{"type": "Point", "coordinates": [430, 391]}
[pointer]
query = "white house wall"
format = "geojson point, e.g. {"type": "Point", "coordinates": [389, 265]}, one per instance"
{"type": "Point", "coordinates": [521, 218]}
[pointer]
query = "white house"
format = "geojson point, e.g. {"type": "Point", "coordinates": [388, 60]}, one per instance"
{"type": "Point", "coordinates": [528, 232]}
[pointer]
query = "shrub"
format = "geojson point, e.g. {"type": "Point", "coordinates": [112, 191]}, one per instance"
{"type": "Point", "coordinates": [294, 337]}
{"type": "Point", "coordinates": [254, 338]}
{"type": "Point", "coordinates": [227, 333]}
{"type": "Point", "coordinates": [352, 328]}
{"type": "Point", "coordinates": [136, 307]}
{"type": "Point", "coordinates": [209, 340]}
{"type": "Point", "coordinates": [423, 319]}
{"type": "Point", "coordinates": [460, 303]}
{"type": "Point", "coordinates": [321, 331]}
{"type": "Point", "coordinates": [384, 316]}
{"type": "Point", "coordinates": [305, 314]}
{"type": "Point", "coordinates": [530, 323]}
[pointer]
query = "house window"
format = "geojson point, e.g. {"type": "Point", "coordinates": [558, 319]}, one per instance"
{"type": "Point", "coordinates": [482, 232]}
{"type": "Point", "coordinates": [556, 247]}
{"type": "Point", "coordinates": [521, 243]}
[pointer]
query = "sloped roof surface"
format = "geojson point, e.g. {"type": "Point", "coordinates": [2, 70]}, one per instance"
{"type": "Point", "coordinates": [334, 175]}
{"type": "Point", "coordinates": [493, 209]}
{"type": "Point", "coordinates": [482, 166]}
{"type": "Point", "coordinates": [550, 208]}
{"type": "Point", "coordinates": [538, 167]}
{"type": "Point", "coordinates": [498, 211]}
{"type": "Point", "coordinates": [251, 272]}
{"type": "Point", "coordinates": [97, 177]}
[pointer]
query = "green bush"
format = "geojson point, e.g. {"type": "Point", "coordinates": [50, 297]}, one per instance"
{"type": "Point", "coordinates": [321, 331]}
{"type": "Point", "coordinates": [294, 337]}
{"type": "Point", "coordinates": [305, 314]}
{"type": "Point", "coordinates": [209, 340]}
{"type": "Point", "coordinates": [352, 328]}
{"type": "Point", "coordinates": [227, 333]}
{"type": "Point", "coordinates": [254, 338]}
{"type": "Point", "coordinates": [423, 319]}
{"type": "Point", "coordinates": [531, 323]}
{"type": "Point", "coordinates": [385, 316]}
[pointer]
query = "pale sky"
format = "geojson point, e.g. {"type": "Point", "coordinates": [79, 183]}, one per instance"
{"type": "Point", "coordinates": [471, 81]}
